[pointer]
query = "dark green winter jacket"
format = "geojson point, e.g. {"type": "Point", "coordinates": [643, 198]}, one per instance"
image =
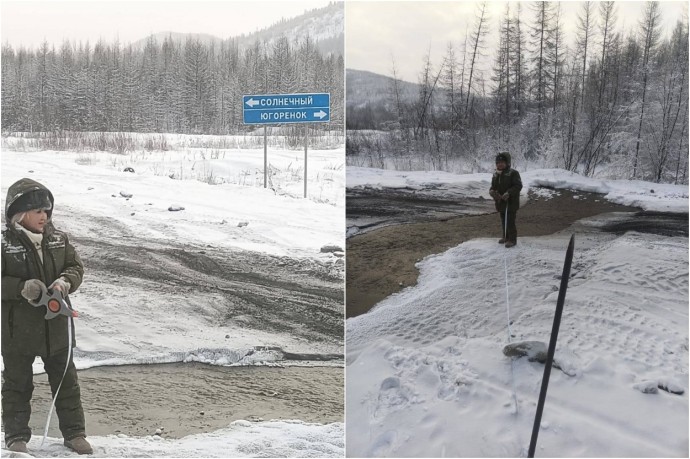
{"type": "Point", "coordinates": [508, 181]}
{"type": "Point", "coordinates": [24, 327]}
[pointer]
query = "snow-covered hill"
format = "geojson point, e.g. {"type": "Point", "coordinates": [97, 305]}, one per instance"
{"type": "Point", "coordinates": [371, 89]}
{"type": "Point", "coordinates": [324, 26]}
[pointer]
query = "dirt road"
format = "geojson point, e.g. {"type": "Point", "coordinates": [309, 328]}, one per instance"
{"type": "Point", "coordinates": [382, 261]}
{"type": "Point", "coordinates": [302, 297]}
{"type": "Point", "coordinates": [192, 398]}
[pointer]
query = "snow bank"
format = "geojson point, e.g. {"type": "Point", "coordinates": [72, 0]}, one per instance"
{"type": "Point", "coordinates": [636, 193]}
{"type": "Point", "coordinates": [254, 356]}
{"type": "Point", "coordinates": [240, 439]}
{"type": "Point", "coordinates": [646, 195]}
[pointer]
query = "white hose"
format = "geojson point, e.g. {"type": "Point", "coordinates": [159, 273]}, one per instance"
{"type": "Point", "coordinates": [510, 332]}
{"type": "Point", "coordinates": [69, 359]}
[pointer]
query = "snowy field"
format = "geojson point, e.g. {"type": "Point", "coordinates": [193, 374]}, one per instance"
{"type": "Point", "coordinates": [426, 375]}
{"type": "Point", "coordinates": [240, 439]}
{"type": "Point", "coordinates": [226, 209]}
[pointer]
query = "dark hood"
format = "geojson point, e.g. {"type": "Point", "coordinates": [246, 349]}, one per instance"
{"type": "Point", "coordinates": [505, 155]}
{"type": "Point", "coordinates": [20, 188]}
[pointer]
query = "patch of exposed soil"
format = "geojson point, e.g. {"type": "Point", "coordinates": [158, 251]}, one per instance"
{"type": "Point", "coordinates": [192, 398]}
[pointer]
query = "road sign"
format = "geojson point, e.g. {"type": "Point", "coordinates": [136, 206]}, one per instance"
{"type": "Point", "coordinates": [286, 108]}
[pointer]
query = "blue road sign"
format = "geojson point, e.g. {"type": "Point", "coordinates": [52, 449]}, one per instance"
{"type": "Point", "coordinates": [286, 108]}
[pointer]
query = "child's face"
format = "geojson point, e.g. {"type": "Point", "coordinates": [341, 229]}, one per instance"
{"type": "Point", "coordinates": [501, 165]}
{"type": "Point", "coordinates": [35, 220]}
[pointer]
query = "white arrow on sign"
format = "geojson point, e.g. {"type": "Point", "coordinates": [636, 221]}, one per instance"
{"type": "Point", "coordinates": [251, 102]}
{"type": "Point", "coordinates": [320, 114]}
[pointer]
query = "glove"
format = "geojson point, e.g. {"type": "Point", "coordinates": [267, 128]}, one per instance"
{"type": "Point", "coordinates": [505, 196]}
{"type": "Point", "coordinates": [61, 285]}
{"type": "Point", "coordinates": [32, 289]}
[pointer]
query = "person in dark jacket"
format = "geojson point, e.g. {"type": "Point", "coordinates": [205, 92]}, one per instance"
{"type": "Point", "coordinates": [505, 189]}
{"type": "Point", "coordinates": [34, 252]}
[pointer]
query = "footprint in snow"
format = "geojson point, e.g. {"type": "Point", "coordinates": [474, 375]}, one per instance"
{"type": "Point", "coordinates": [382, 444]}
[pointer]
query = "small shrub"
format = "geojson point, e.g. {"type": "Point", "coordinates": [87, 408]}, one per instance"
{"type": "Point", "coordinates": [84, 160]}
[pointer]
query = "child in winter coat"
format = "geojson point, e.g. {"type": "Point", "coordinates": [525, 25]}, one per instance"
{"type": "Point", "coordinates": [34, 252]}
{"type": "Point", "coordinates": [505, 189]}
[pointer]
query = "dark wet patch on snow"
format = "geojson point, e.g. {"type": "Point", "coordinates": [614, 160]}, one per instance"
{"type": "Point", "coordinates": [660, 223]}
{"type": "Point", "coordinates": [369, 208]}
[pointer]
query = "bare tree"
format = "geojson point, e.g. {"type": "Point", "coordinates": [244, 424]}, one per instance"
{"type": "Point", "coordinates": [672, 98]}
{"type": "Point", "coordinates": [450, 84]}
{"type": "Point", "coordinates": [463, 66]}
{"type": "Point", "coordinates": [649, 29]}
{"type": "Point", "coordinates": [502, 90]}
{"type": "Point", "coordinates": [607, 13]}
{"type": "Point", "coordinates": [427, 86]}
{"type": "Point", "coordinates": [573, 90]}
{"type": "Point", "coordinates": [476, 43]}
{"type": "Point", "coordinates": [541, 72]}
{"type": "Point", "coordinates": [518, 63]}
{"type": "Point", "coordinates": [585, 29]}
{"type": "Point", "coordinates": [395, 93]}
{"type": "Point", "coordinates": [556, 54]}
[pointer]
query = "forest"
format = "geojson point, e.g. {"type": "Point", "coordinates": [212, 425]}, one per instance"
{"type": "Point", "coordinates": [173, 86]}
{"type": "Point", "coordinates": [612, 104]}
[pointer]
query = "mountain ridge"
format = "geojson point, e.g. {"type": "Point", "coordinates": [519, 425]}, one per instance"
{"type": "Point", "coordinates": [369, 88]}
{"type": "Point", "coordinates": [324, 26]}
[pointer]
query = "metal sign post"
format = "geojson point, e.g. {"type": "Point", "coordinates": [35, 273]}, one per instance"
{"type": "Point", "coordinates": [306, 143]}
{"type": "Point", "coordinates": [283, 109]}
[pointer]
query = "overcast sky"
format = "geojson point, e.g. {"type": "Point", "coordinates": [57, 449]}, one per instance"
{"type": "Point", "coordinates": [28, 22]}
{"type": "Point", "coordinates": [377, 32]}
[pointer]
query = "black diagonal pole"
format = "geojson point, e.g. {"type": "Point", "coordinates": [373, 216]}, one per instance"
{"type": "Point", "coordinates": [552, 345]}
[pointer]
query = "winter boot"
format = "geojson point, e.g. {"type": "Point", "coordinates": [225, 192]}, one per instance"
{"type": "Point", "coordinates": [18, 446]}
{"type": "Point", "coordinates": [501, 241]}
{"type": "Point", "coordinates": [79, 445]}
{"type": "Point", "coordinates": [510, 244]}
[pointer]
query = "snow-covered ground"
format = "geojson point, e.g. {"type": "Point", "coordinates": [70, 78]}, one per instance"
{"type": "Point", "coordinates": [278, 222]}
{"type": "Point", "coordinates": [240, 439]}
{"type": "Point", "coordinates": [426, 375]}
{"type": "Point", "coordinates": [646, 195]}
